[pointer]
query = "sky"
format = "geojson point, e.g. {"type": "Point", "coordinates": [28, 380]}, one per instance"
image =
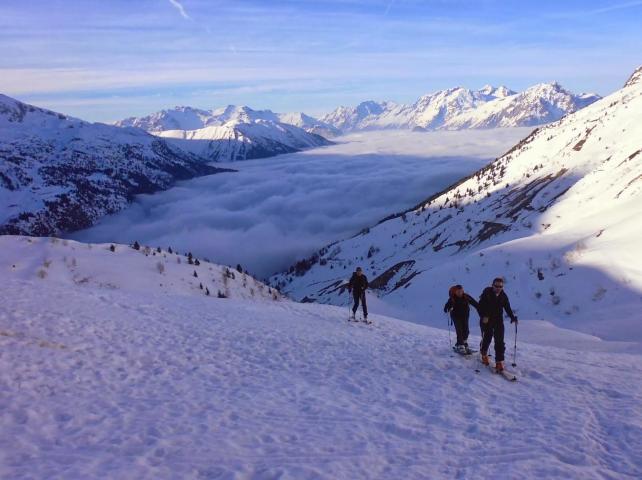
{"type": "Point", "coordinates": [276, 211]}
{"type": "Point", "coordinates": [107, 60]}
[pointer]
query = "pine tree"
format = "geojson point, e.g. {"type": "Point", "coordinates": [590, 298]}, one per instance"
{"type": "Point", "coordinates": [195, 274]}
{"type": "Point", "coordinates": [207, 291]}
{"type": "Point", "coordinates": [196, 262]}
{"type": "Point", "coordinates": [239, 268]}
{"type": "Point", "coordinates": [136, 245]}
{"type": "Point", "coordinates": [169, 250]}
{"type": "Point", "coordinates": [112, 248]}
{"type": "Point", "coordinates": [221, 294]}
{"type": "Point", "coordinates": [158, 249]}
{"type": "Point", "coordinates": [200, 285]}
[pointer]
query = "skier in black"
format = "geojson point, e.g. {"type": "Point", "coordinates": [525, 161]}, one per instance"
{"type": "Point", "coordinates": [492, 302]}
{"type": "Point", "coordinates": [358, 285]}
{"type": "Point", "coordinates": [458, 306]}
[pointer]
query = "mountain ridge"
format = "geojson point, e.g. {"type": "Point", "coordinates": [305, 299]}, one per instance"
{"type": "Point", "coordinates": [60, 174]}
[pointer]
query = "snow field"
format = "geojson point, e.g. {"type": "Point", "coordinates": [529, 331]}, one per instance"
{"type": "Point", "coordinates": [108, 383]}
{"type": "Point", "coordinates": [144, 270]}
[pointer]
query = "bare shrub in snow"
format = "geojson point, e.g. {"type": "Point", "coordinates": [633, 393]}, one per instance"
{"type": "Point", "coordinates": [42, 273]}
{"type": "Point", "coordinates": [46, 263]}
{"type": "Point", "coordinates": [160, 266]}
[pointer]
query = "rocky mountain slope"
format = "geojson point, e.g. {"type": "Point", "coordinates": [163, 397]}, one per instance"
{"type": "Point", "coordinates": [234, 133]}
{"type": "Point", "coordinates": [558, 216]}
{"type": "Point", "coordinates": [460, 108]}
{"type": "Point", "coordinates": [59, 174]}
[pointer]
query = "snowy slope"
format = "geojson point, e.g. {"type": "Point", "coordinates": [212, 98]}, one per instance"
{"type": "Point", "coordinates": [139, 383]}
{"type": "Point", "coordinates": [460, 108]}
{"type": "Point", "coordinates": [61, 174]}
{"type": "Point", "coordinates": [558, 216]}
{"type": "Point", "coordinates": [87, 266]}
{"type": "Point", "coordinates": [234, 132]}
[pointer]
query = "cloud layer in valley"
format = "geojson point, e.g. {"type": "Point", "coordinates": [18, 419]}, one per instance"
{"type": "Point", "coordinates": [277, 210]}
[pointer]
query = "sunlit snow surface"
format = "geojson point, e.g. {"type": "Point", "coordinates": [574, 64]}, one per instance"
{"type": "Point", "coordinates": [113, 377]}
{"type": "Point", "coordinates": [278, 210]}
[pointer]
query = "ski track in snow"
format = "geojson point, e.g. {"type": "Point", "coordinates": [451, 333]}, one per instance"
{"type": "Point", "coordinates": [109, 384]}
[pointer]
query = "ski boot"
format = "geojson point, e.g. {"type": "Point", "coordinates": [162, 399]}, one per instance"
{"type": "Point", "coordinates": [484, 359]}
{"type": "Point", "coordinates": [499, 367]}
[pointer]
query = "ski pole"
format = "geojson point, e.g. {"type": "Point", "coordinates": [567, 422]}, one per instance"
{"type": "Point", "coordinates": [515, 348]}
{"type": "Point", "coordinates": [349, 307]}
{"type": "Point", "coordinates": [450, 342]}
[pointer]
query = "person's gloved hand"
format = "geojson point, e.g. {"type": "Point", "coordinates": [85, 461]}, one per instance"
{"type": "Point", "coordinates": [514, 320]}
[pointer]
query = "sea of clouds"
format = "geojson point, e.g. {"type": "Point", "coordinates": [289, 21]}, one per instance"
{"type": "Point", "coordinates": [277, 210]}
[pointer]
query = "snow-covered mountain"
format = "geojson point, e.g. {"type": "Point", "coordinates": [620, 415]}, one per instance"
{"type": "Point", "coordinates": [459, 108]}
{"type": "Point", "coordinates": [59, 174]}
{"type": "Point", "coordinates": [111, 368]}
{"type": "Point", "coordinates": [543, 103]}
{"type": "Point", "coordinates": [558, 216]}
{"type": "Point", "coordinates": [309, 124]}
{"type": "Point", "coordinates": [347, 119]}
{"type": "Point", "coordinates": [234, 132]}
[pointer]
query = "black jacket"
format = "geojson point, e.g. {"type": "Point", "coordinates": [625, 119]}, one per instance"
{"type": "Point", "coordinates": [459, 307]}
{"type": "Point", "coordinates": [358, 284]}
{"type": "Point", "coordinates": [491, 305]}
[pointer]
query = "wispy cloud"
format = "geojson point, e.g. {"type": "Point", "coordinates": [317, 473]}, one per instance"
{"type": "Point", "coordinates": [596, 11]}
{"type": "Point", "coordinates": [180, 9]}
{"type": "Point", "coordinates": [389, 7]}
{"type": "Point", "coordinates": [359, 49]}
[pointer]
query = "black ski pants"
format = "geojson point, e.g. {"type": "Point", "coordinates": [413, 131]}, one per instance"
{"type": "Point", "coordinates": [494, 329]}
{"type": "Point", "coordinates": [360, 297]}
{"type": "Point", "coordinates": [461, 328]}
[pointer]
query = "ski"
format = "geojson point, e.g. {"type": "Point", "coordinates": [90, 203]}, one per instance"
{"type": "Point", "coordinates": [507, 375]}
{"type": "Point", "coordinates": [359, 320]}
{"type": "Point", "coordinates": [464, 354]}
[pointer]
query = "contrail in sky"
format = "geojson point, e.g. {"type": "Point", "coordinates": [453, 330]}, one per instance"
{"type": "Point", "coordinates": [180, 9]}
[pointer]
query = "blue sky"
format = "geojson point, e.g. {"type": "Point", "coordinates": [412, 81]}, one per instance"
{"type": "Point", "coordinates": [107, 59]}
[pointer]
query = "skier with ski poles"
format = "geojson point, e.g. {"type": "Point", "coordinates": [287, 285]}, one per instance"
{"type": "Point", "coordinates": [357, 286]}
{"type": "Point", "coordinates": [458, 305]}
{"type": "Point", "coordinates": [492, 303]}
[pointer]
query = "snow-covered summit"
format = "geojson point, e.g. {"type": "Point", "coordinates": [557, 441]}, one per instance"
{"type": "Point", "coordinates": [354, 118]}
{"type": "Point", "coordinates": [60, 174]}
{"type": "Point", "coordinates": [497, 92]}
{"type": "Point", "coordinates": [541, 103]}
{"type": "Point", "coordinates": [460, 108]}
{"type": "Point", "coordinates": [232, 132]}
{"type": "Point", "coordinates": [557, 216]}
{"type": "Point", "coordinates": [178, 118]}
